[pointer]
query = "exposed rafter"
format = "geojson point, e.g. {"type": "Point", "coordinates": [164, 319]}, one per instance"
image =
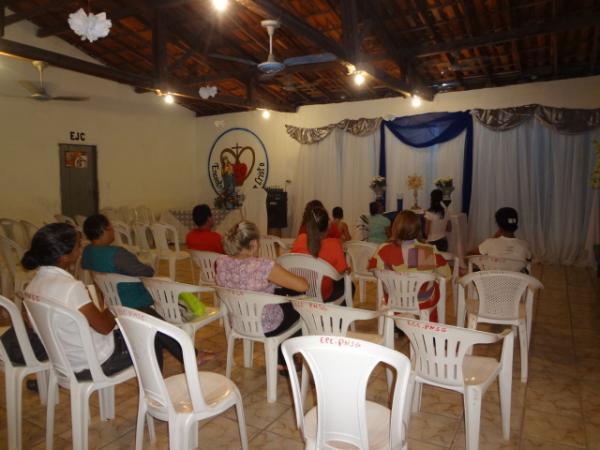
{"type": "Point", "coordinates": [38, 11]}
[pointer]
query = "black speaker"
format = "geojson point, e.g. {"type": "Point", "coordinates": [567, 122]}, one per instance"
{"type": "Point", "coordinates": [277, 208]}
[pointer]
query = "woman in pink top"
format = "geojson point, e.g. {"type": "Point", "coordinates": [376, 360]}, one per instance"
{"type": "Point", "coordinates": [241, 268]}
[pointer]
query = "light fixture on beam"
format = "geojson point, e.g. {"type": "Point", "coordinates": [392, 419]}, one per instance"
{"type": "Point", "coordinates": [220, 5]}
{"type": "Point", "coordinates": [416, 101]}
{"type": "Point", "coordinates": [169, 99]}
{"type": "Point", "coordinates": [359, 78]}
{"type": "Point", "coordinates": [266, 114]}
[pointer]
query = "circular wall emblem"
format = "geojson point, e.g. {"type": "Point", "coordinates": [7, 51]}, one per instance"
{"type": "Point", "coordinates": [237, 158]}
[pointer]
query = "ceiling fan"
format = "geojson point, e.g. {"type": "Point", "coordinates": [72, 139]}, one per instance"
{"type": "Point", "coordinates": [38, 91]}
{"type": "Point", "coordinates": [271, 66]}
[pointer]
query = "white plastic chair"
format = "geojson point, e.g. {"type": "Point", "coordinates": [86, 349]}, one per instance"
{"type": "Point", "coordinates": [29, 229]}
{"type": "Point", "coordinates": [313, 270]}
{"type": "Point", "coordinates": [245, 309]}
{"type": "Point", "coordinates": [205, 262]}
{"type": "Point", "coordinates": [159, 232]}
{"type": "Point", "coordinates": [165, 294]}
{"type": "Point", "coordinates": [359, 253]}
{"type": "Point", "coordinates": [66, 219]}
{"type": "Point", "coordinates": [440, 357]}
{"type": "Point", "coordinates": [183, 399]}
{"type": "Point", "coordinates": [126, 214]}
{"type": "Point", "coordinates": [12, 254]}
{"type": "Point", "coordinates": [15, 374]}
{"type": "Point", "coordinates": [454, 262]}
{"type": "Point", "coordinates": [14, 230]}
{"type": "Point", "coordinates": [147, 254]}
{"type": "Point", "coordinates": [108, 285]}
{"type": "Point", "coordinates": [270, 247]}
{"type": "Point", "coordinates": [488, 262]}
{"type": "Point", "coordinates": [45, 314]}
{"type": "Point", "coordinates": [402, 291]}
{"type": "Point", "coordinates": [144, 215]}
{"type": "Point", "coordinates": [80, 219]}
{"type": "Point", "coordinates": [341, 368]}
{"type": "Point", "coordinates": [123, 237]}
{"type": "Point", "coordinates": [501, 295]}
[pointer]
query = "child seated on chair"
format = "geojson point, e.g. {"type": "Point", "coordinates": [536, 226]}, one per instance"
{"type": "Point", "coordinates": [338, 222]}
{"type": "Point", "coordinates": [203, 238]}
{"type": "Point", "coordinates": [379, 225]}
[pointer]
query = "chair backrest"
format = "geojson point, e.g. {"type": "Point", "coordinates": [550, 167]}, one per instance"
{"type": "Point", "coordinates": [311, 269]}
{"type": "Point", "coordinates": [122, 233]}
{"type": "Point", "coordinates": [126, 214]}
{"type": "Point", "coordinates": [80, 219]}
{"type": "Point", "coordinates": [14, 230]}
{"type": "Point", "coordinates": [108, 285]}
{"type": "Point", "coordinates": [488, 262]}
{"type": "Point", "coordinates": [205, 261]}
{"type": "Point", "coordinates": [165, 294]}
{"type": "Point", "coordinates": [65, 219]}
{"type": "Point", "coordinates": [45, 314]}
{"type": "Point", "coordinates": [341, 368]}
{"type": "Point", "coordinates": [245, 309]}
{"type": "Point", "coordinates": [326, 319]}
{"type": "Point", "coordinates": [438, 350]}
{"type": "Point", "coordinates": [500, 292]}
{"type": "Point", "coordinates": [141, 233]}
{"type": "Point", "coordinates": [110, 213]}
{"type": "Point", "coordinates": [160, 232]}
{"type": "Point", "coordinates": [11, 252]}
{"type": "Point", "coordinates": [403, 289]}
{"type": "Point", "coordinates": [454, 261]}
{"type": "Point", "coordinates": [144, 215]}
{"type": "Point", "coordinates": [21, 332]}
{"type": "Point", "coordinates": [139, 331]}
{"type": "Point", "coordinates": [269, 246]}
{"type": "Point", "coordinates": [30, 229]}
{"type": "Point", "coordinates": [359, 253]}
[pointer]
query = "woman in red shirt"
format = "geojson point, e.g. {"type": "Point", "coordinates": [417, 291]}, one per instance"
{"type": "Point", "coordinates": [316, 243]}
{"type": "Point", "coordinates": [332, 232]}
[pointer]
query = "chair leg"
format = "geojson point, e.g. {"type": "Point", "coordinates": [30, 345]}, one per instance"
{"type": "Point", "coordinates": [230, 345]}
{"type": "Point", "coordinates": [13, 383]}
{"type": "Point", "coordinates": [248, 353]}
{"type": "Point", "coordinates": [172, 268]}
{"type": "Point", "coordinates": [361, 290]}
{"type": "Point", "coordinates": [107, 403]}
{"type": "Point", "coordinates": [472, 402]}
{"type": "Point", "coordinates": [271, 366]}
{"type": "Point", "coordinates": [79, 418]}
{"type": "Point", "coordinates": [524, 341]}
{"type": "Point", "coordinates": [177, 433]}
{"type": "Point", "coordinates": [51, 402]}
{"type": "Point", "coordinates": [42, 382]}
{"type": "Point", "coordinates": [239, 409]}
{"type": "Point", "coordinates": [505, 385]}
{"type": "Point", "coordinates": [304, 383]}
{"type": "Point", "coordinates": [193, 435]}
{"type": "Point", "coordinates": [139, 426]}
{"type": "Point", "coordinates": [416, 397]}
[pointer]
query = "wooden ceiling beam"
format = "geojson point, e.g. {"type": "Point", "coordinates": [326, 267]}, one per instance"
{"type": "Point", "coordinates": [350, 29]}
{"type": "Point", "coordinates": [548, 26]}
{"type": "Point", "coordinates": [2, 17]}
{"type": "Point", "coordinates": [594, 55]}
{"type": "Point", "coordinates": [159, 48]}
{"type": "Point", "coordinates": [38, 11]}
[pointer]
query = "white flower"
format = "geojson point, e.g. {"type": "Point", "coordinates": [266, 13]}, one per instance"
{"type": "Point", "coordinates": [89, 26]}
{"type": "Point", "coordinates": [207, 92]}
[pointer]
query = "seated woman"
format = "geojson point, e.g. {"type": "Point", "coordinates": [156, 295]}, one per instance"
{"type": "Point", "coordinates": [241, 268]}
{"type": "Point", "coordinates": [437, 222]}
{"type": "Point", "coordinates": [405, 253]}
{"type": "Point", "coordinates": [53, 249]}
{"type": "Point", "coordinates": [332, 231]}
{"type": "Point", "coordinates": [338, 222]}
{"type": "Point", "coordinates": [504, 244]}
{"type": "Point", "coordinates": [316, 243]}
{"type": "Point", "coordinates": [379, 225]}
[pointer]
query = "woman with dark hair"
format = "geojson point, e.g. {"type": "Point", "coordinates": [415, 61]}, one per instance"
{"type": "Point", "coordinates": [437, 222]}
{"type": "Point", "coordinates": [54, 248]}
{"type": "Point", "coordinates": [332, 231]}
{"type": "Point", "coordinates": [315, 242]}
{"type": "Point", "coordinates": [406, 253]}
{"type": "Point", "coordinates": [379, 225]}
{"type": "Point", "coordinates": [338, 222]}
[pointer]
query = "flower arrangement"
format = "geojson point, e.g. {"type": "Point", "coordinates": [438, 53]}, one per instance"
{"type": "Point", "coordinates": [415, 182]}
{"type": "Point", "coordinates": [378, 182]}
{"type": "Point", "coordinates": [444, 183]}
{"type": "Point", "coordinates": [595, 180]}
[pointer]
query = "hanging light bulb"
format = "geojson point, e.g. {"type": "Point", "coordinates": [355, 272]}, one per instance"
{"type": "Point", "coordinates": [359, 78]}
{"type": "Point", "coordinates": [220, 5]}
{"type": "Point", "coordinates": [266, 114]}
{"type": "Point", "coordinates": [416, 101]}
{"type": "Point", "coordinates": [169, 99]}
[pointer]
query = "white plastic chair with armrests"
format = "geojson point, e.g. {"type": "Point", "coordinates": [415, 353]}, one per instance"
{"type": "Point", "coordinates": [144, 214]}
{"type": "Point", "coordinates": [165, 294]}
{"type": "Point", "coordinates": [501, 296]}
{"type": "Point", "coordinates": [44, 314]}
{"type": "Point", "coordinates": [270, 247]}
{"type": "Point", "coordinates": [245, 310]}
{"type": "Point", "coordinates": [183, 399]}
{"type": "Point", "coordinates": [341, 368]}
{"type": "Point", "coordinates": [440, 357]}
{"type": "Point", "coordinates": [402, 291]}
{"type": "Point", "coordinates": [108, 283]}
{"type": "Point", "coordinates": [359, 253]}
{"type": "Point", "coordinates": [123, 236]}
{"type": "Point", "coordinates": [80, 219]}
{"type": "Point", "coordinates": [313, 270]}
{"type": "Point", "coordinates": [488, 262]}
{"type": "Point", "coordinates": [66, 219]}
{"type": "Point", "coordinates": [454, 262]}
{"type": "Point", "coordinates": [14, 230]}
{"type": "Point", "coordinates": [147, 254]}
{"type": "Point", "coordinates": [160, 231]}
{"type": "Point", "coordinates": [206, 265]}
{"type": "Point", "coordinates": [15, 374]}
{"type": "Point", "coordinates": [12, 254]}
{"type": "Point", "coordinates": [30, 229]}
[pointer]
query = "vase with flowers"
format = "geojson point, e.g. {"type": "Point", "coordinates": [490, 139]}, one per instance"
{"type": "Point", "coordinates": [414, 183]}
{"type": "Point", "coordinates": [446, 185]}
{"type": "Point", "coordinates": [378, 185]}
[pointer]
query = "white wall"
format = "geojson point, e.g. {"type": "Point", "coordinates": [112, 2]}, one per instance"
{"type": "Point", "coordinates": [146, 149]}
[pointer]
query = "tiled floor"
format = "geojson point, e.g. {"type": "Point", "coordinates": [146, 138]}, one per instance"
{"type": "Point", "coordinates": [558, 409]}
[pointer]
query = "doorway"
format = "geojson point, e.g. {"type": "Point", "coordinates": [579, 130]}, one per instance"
{"type": "Point", "coordinates": [78, 179]}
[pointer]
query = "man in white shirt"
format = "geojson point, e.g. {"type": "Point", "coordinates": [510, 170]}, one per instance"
{"type": "Point", "coordinates": [504, 244]}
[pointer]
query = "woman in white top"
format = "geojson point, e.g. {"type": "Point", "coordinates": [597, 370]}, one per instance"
{"type": "Point", "coordinates": [54, 248]}
{"type": "Point", "coordinates": [437, 222]}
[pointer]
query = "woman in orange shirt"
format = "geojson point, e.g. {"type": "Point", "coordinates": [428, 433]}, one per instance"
{"type": "Point", "coordinates": [316, 243]}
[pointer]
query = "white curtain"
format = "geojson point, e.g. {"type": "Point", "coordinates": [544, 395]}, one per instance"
{"type": "Point", "coordinates": [442, 160]}
{"type": "Point", "coordinates": [545, 176]}
{"type": "Point", "coordinates": [337, 171]}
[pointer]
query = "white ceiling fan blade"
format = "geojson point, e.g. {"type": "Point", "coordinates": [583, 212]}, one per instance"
{"type": "Point", "coordinates": [310, 59]}
{"type": "Point", "coordinates": [233, 59]}
{"type": "Point", "coordinates": [31, 87]}
{"type": "Point", "coordinates": [67, 98]}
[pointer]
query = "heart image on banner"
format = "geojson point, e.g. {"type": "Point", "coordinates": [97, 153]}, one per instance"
{"type": "Point", "coordinates": [243, 157]}
{"type": "Point", "coordinates": [240, 172]}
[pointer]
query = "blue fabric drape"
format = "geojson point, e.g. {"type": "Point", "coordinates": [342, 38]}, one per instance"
{"type": "Point", "coordinates": [425, 130]}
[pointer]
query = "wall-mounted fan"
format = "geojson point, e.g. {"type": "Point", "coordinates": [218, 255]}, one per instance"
{"type": "Point", "coordinates": [38, 92]}
{"type": "Point", "coordinates": [271, 65]}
